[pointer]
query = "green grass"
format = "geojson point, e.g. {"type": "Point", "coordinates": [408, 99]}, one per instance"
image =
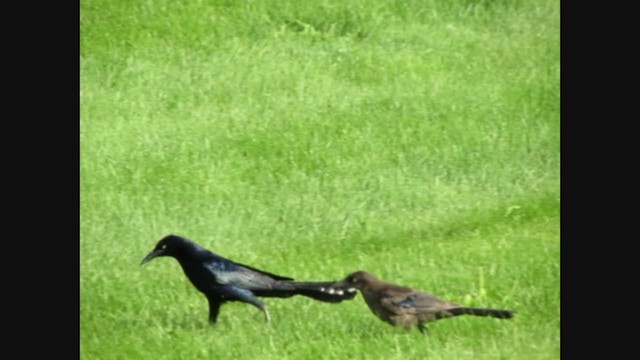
{"type": "Point", "coordinates": [418, 140]}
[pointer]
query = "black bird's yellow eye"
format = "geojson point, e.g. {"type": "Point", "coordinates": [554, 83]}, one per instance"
{"type": "Point", "coordinates": [164, 246]}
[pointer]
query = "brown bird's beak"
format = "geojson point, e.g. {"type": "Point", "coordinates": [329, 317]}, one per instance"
{"type": "Point", "coordinates": [152, 255]}
{"type": "Point", "coordinates": [345, 286]}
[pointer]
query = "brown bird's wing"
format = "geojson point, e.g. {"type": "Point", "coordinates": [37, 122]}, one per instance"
{"type": "Point", "coordinates": [399, 307]}
{"type": "Point", "coordinates": [419, 307]}
{"type": "Point", "coordinates": [387, 297]}
{"type": "Point", "coordinates": [421, 301]}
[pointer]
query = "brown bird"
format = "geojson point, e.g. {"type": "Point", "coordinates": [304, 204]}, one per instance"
{"type": "Point", "coordinates": [406, 307]}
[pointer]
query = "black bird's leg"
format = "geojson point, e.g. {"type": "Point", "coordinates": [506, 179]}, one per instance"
{"type": "Point", "coordinates": [244, 295]}
{"type": "Point", "coordinates": [263, 307]}
{"type": "Point", "coordinates": [214, 308]}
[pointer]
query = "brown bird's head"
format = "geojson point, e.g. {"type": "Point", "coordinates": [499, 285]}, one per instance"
{"type": "Point", "coordinates": [358, 279]}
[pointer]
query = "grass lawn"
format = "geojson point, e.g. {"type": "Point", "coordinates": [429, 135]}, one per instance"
{"type": "Point", "coordinates": [418, 140]}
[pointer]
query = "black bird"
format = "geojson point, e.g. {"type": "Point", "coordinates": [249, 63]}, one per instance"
{"type": "Point", "coordinates": [406, 307]}
{"type": "Point", "coordinates": [222, 280]}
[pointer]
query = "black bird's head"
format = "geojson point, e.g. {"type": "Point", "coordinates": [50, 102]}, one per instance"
{"type": "Point", "coordinates": [170, 245]}
{"type": "Point", "coordinates": [358, 279]}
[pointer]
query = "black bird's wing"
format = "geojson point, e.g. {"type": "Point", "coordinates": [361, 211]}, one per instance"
{"type": "Point", "coordinates": [273, 276]}
{"type": "Point", "coordinates": [227, 272]}
{"type": "Point", "coordinates": [233, 281]}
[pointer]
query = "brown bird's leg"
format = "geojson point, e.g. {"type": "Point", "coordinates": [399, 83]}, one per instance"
{"type": "Point", "coordinates": [423, 329]}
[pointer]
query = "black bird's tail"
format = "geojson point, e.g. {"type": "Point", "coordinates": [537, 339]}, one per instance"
{"type": "Point", "coordinates": [326, 291]}
{"type": "Point", "coordinates": [496, 313]}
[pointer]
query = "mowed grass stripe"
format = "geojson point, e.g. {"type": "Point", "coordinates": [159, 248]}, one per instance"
{"type": "Point", "coordinates": [416, 140]}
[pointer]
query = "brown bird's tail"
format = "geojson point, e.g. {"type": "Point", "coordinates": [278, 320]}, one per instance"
{"type": "Point", "coordinates": [496, 313]}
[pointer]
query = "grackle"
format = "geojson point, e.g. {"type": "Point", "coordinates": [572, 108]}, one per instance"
{"type": "Point", "coordinates": [222, 280]}
{"type": "Point", "coordinates": [406, 307]}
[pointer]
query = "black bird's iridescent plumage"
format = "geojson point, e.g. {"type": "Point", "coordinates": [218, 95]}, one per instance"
{"type": "Point", "coordinates": [222, 280]}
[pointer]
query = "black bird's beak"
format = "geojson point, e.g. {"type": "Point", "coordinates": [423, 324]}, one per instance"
{"type": "Point", "coordinates": [152, 255]}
